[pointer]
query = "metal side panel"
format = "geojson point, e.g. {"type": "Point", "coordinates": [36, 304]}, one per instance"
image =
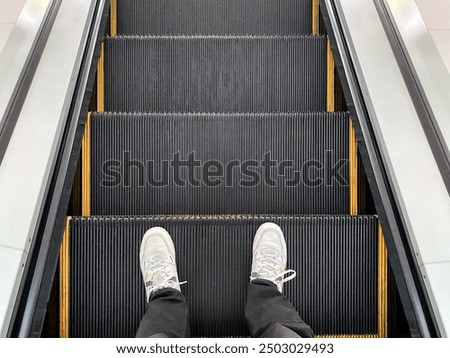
{"type": "Point", "coordinates": [150, 164]}
{"type": "Point", "coordinates": [432, 76]}
{"type": "Point", "coordinates": [29, 159]}
{"type": "Point", "coordinates": [336, 260]}
{"type": "Point", "coordinates": [18, 49]}
{"type": "Point", "coordinates": [417, 183]}
{"type": "Point", "coordinates": [214, 17]}
{"type": "Point", "coordinates": [215, 74]}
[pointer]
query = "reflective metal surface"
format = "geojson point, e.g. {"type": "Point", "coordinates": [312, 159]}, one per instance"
{"type": "Point", "coordinates": [426, 63]}
{"type": "Point", "coordinates": [18, 48]}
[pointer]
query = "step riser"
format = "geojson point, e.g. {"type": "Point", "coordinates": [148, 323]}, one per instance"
{"type": "Point", "coordinates": [215, 74]}
{"type": "Point", "coordinates": [335, 259]}
{"type": "Point", "coordinates": [214, 17]}
{"type": "Point", "coordinates": [225, 164]}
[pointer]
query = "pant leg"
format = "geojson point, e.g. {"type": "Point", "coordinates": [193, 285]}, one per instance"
{"type": "Point", "coordinates": [167, 315]}
{"type": "Point", "coordinates": [269, 313]}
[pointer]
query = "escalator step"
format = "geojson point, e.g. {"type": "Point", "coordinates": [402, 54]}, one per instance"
{"type": "Point", "coordinates": [214, 17]}
{"type": "Point", "coordinates": [151, 164]}
{"type": "Point", "coordinates": [215, 74]}
{"type": "Point", "coordinates": [335, 258]}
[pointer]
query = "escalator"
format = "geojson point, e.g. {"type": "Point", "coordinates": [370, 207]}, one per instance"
{"type": "Point", "coordinates": [210, 118]}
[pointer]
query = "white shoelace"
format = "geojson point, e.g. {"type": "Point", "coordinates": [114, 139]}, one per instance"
{"type": "Point", "coordinates": [162, 272]}
{"type": "Point", "coordinates": [268, 263]}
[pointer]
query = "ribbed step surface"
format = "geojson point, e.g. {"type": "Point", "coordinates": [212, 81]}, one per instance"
{"type": "Point", "coordinates": [215, 74]}
{"type": "Point", "coordinates": [151, 164]}
{"type": "Point", "coordinates": [335, 258]}
{"type": "Point", "coordinates": [214, 17]}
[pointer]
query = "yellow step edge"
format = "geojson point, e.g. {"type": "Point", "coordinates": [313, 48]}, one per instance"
{"type": "Point", "coordinates": [330, 78]}
{"type": "Point", "coordinates": [315, 17]}
{"type": "Point", "coordinates": [353, 169]}
{"type": "Point", "coordinates": [64, 282]}
{"type": "Point", "coordinates": [101, 80]}
{"type": "Point", "coordinates": [86, 169]}
{"type": "Point", "coordinates": [382, 285]}
{"type": "Point", "coordinates": [113, 18]}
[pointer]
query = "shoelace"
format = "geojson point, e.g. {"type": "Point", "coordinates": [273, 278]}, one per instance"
{"type": "Point", "coordinates": [162, 272]}
{"type": "Point", "coordinates": [268, 263]}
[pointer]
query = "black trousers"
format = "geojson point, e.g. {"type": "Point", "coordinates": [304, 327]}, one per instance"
{"type": "Point", "coordinates": [268, 313]}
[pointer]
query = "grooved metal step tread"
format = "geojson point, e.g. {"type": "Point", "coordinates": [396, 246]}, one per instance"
{"type": "Point", "coordinates": [215, 74]}
{"type": "Point", "coordinates": [336, 259]}
{"type": "Point", "coordinates": [150, 164]}
{"type": "Point", "coordinates": [214, 17]}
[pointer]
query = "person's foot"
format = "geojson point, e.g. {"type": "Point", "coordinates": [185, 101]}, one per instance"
{"type": "Point", "coordinates": [157, 261]}
{"type": "Point", "coordinates": [270, 256]}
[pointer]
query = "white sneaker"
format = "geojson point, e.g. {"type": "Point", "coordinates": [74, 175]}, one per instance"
{"type": "Point", "coordinates": [270, 256]}
{"type": "Point", "coordinates": [157, 260]}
